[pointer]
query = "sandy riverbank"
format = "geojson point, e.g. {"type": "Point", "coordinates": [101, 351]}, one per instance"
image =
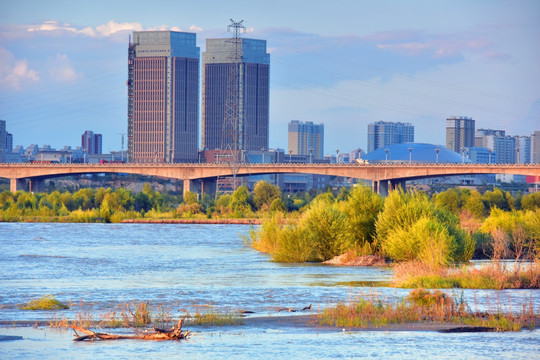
{"type": "Point", "coordinates": [302, 321]}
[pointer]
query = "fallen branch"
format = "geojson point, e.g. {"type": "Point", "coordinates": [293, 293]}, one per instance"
{"type": "Point", "coordinates": [174, 333]}
{"type": "Point", "coordinates": [294, 310]}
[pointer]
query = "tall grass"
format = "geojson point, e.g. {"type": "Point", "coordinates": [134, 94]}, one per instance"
{"type": "Point", "coordinates": [214, 317]}
{"type": "Point", "coordinates": [494, 276]}
{"type": "Point", "coordinates": [422, 306]}
{"type": "Point", "coordinates": [122, 316]}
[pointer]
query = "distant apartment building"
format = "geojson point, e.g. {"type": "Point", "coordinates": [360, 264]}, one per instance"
{"type": "Point", "coordinates": [535, 147]}
{"type": "Point", "coordinates": [385, 133]}
{"type": "Point", "coordinates": [523, 149]}
{"type": "Point", "coordinates": [9, 142]}
{"type": "Point", "coordinates": [235, 94]}
{"type": "Point", "coordinates": [355, 154]}
{"type": "Point", "coordinates": [3, 139]}
{"type": "Point", "coordinates": [505, 149]}
{"type": "Point", "coordinates": [163, 97]}
{"type": "Point", "coordinates": [459, 133]}
{"type": "Point", "coordinates": [485, 137]}
{"type": "Point", "coordinates": [306, 138]}
{"type": "Point", "coordinates": [481, 155]}
{"type": "Point", "coordinates": [91, 143]}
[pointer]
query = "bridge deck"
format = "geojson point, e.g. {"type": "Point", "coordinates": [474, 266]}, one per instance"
{"type": "Point", "coordinates": [394, 172]}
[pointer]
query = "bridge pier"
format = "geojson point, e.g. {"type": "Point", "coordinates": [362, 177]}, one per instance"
{"type": "Point", "coordinates": [208, 186]}
{"type": "Point", "coordinates": [398, 183]}
{"type": "Point", "coordinates": [187, 186]}
{"type": "Point", "coordinates": [202, 186]}
{"type": "Point", "coordinates": [375, 186]}
{"type": "Point", "coordinates": [383, 187]}
{"type": "Point", "coordinates": [17, 184]}
{"type": "Point", "coordinates": [36, 185]}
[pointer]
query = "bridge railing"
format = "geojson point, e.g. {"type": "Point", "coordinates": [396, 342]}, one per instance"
{"type": "Point", "coordinates": [284, 164]}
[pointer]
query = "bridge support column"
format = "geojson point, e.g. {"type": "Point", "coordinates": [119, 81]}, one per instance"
{"type": "Point", "coordinates": [375, 186]}
{"type": "Point", "coordinates": [208, 186]}
{"type": "Point", "coordinates": [17, 184]}
{"type": "Point", "coordinates": [187, 186]}
{"type": "Point", "coordinates": [383, 187]}
{"type": "Point", "coordinates": [36, 185]}
{"type": "Point", "coordinates": [398, 183]}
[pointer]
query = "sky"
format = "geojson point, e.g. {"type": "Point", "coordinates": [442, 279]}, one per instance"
{"type": "Point", "coordinates": [344, 63]}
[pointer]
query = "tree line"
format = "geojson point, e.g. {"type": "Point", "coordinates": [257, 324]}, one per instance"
{"type": "Point", "coordinates": [447, 227]}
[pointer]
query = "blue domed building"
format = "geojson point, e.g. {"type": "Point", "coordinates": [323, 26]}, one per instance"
{"type": "Point", "coordinates": [416, 153]}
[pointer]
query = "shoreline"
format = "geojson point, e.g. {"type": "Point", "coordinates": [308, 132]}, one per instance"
{"type": "Point", "coordinates": [297, 321]}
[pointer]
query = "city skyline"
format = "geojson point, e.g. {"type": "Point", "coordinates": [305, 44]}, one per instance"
{"type": "Point", "coordinates": [62, 66]}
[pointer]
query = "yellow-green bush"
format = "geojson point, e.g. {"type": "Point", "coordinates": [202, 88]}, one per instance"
{"type": "Point", "coordinates": [412, 228]}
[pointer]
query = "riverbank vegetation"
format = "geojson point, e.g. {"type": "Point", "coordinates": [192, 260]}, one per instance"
{"type": "Point", "coordinates": [424, 306]}
{"type": "Point", "coordinates": [435, 236]}
{"type": "Point", "coordinates": [430, 241]}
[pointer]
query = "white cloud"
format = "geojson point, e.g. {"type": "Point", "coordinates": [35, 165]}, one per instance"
{"type": "Point", "coordinates": [61, 69]}
{"type": "Point", "coordinates": [15, 74]}
{"type": "Point", "coordinates": [112, 27]}
{"type": "Point", "coordinates": [195, 28]}
{"type": "Point", "coordinates": [109, 29]}
{"type": "Point", "coordinates": [52, 25]}
{"type": "Point", "coordinates": [415, 43]}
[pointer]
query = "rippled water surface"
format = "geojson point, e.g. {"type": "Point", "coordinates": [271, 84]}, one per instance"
{"type": "Point", "coordinates": [101, 266]}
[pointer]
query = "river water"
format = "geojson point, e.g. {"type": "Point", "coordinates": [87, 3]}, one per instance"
{"type": "Point", "coordinates": [99, 267]}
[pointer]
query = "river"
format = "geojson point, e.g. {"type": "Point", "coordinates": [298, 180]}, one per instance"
{"type": "Point", "coordinates": [99, 267]}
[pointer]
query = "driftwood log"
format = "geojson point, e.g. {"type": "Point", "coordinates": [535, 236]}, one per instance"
{"type": "Point", "coordinates": [294, 310]}
{"type": "Point", "coordinates": [175, 333]}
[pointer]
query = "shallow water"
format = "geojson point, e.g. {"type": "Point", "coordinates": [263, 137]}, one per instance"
{"type": "Point", "coordinates": [98, 267]}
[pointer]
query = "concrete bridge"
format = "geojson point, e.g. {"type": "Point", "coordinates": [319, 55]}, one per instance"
{"type": "Point", "coordinates": [382, 175]}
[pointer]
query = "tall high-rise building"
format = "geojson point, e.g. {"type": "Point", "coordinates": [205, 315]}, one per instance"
{"type": "Point", "coordinates": [91, 143]}
{"type": "Point", "coordinates": [385, 133]}
{"type": "Point", "coordinates": [163, 97]}
{"type": "Point", "coordinates": [459, 133]}
{"type": "Point", "coordinates": [240, 67]}
{"type": "Point", "coordinates": [306, 138]}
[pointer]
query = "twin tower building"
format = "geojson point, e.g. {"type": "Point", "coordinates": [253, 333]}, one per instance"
{"type": "Point", "coordinates": [164, 100]}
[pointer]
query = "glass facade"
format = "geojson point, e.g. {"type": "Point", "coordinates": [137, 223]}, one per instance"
{"type": "Point", "coordinates": [163, 97]}
{"type": "Point", "coordinates": [253, 98]}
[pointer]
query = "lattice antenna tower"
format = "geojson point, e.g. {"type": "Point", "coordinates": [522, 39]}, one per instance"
{"type": "Point", "coordinates": [233, 138]}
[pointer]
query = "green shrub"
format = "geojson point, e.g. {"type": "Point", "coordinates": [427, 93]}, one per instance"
{"type": "Point", "coordinates": [46, 302]}
{"type": "Point", "coordinates": [293, 246]}
{"type": "Point", "coordinates": [327, 229]}
{"type": "Point", "coordinates": [362, 208]}
{"type": "Point", "coordinates": [410, 227]}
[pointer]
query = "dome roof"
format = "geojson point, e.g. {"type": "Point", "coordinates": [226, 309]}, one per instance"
{"type": "Point", "coordinates": [424, 153]}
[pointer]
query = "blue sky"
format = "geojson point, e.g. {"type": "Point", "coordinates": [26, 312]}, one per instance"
{"type": "Point", "coordinates": [63, 64]}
